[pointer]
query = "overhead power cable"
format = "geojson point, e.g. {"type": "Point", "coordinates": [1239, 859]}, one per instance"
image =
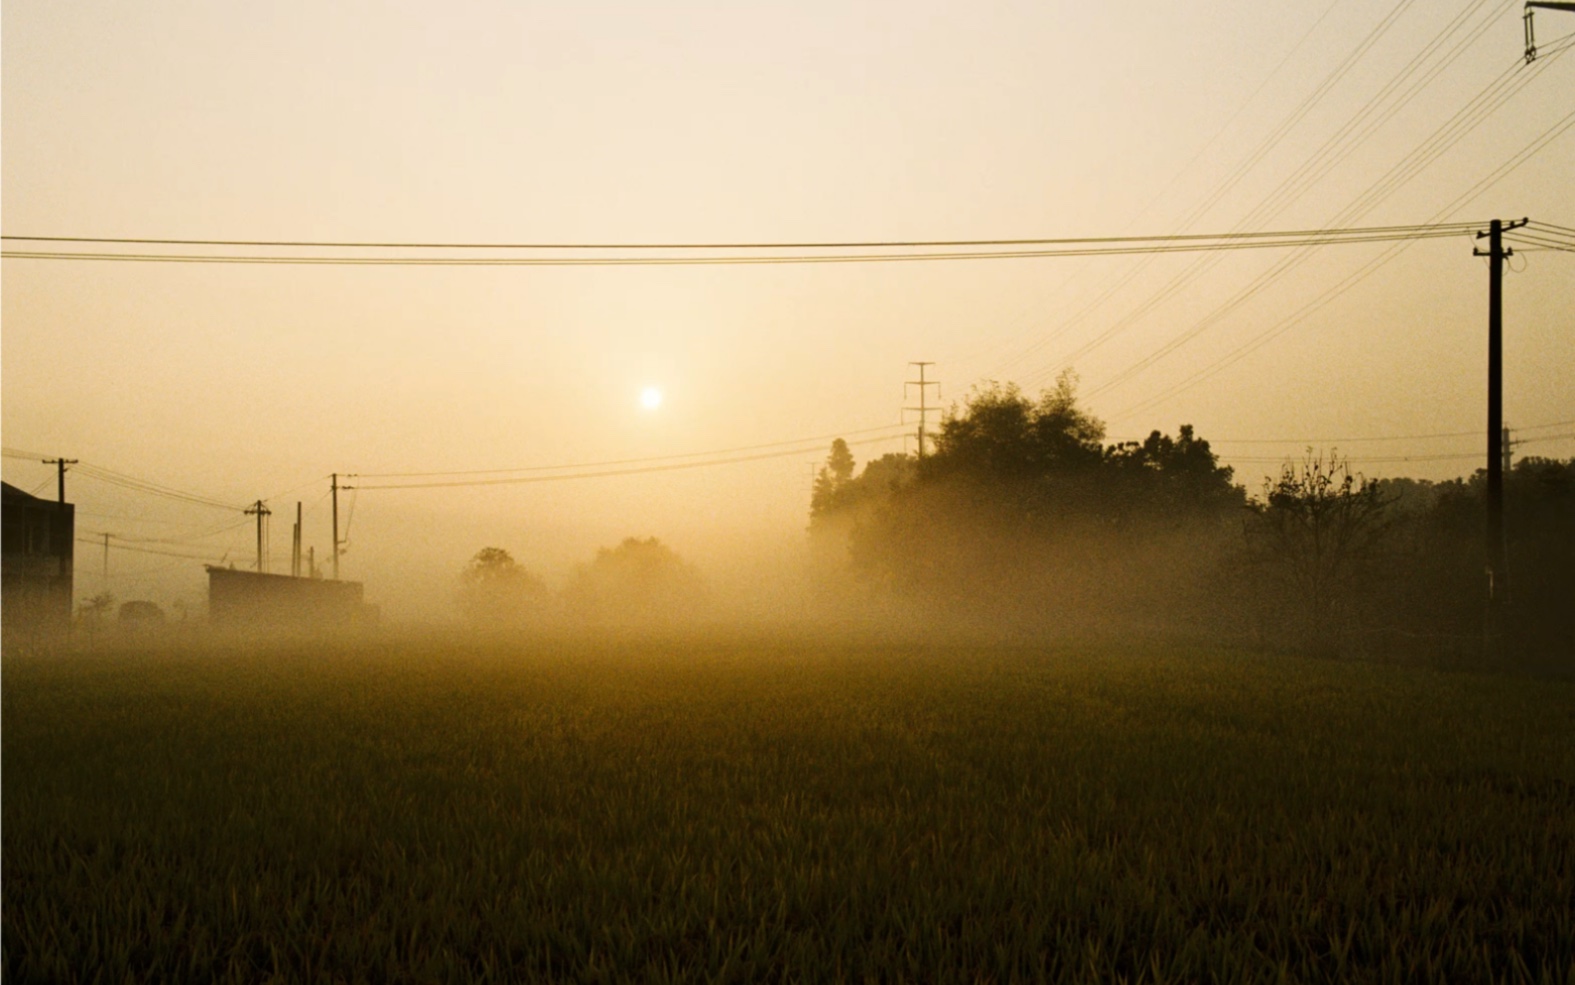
{"type": "Point", "coordinates": [115, 543]}
{"type": "Point", "coordinates": [135, 484]}
{"type": "Point", "coordinates": [607, 473]}
{"type": "Point", "coordinates": [1027, 312]}
{"type": "Point", "coordinates": [780, 245]}
{"type": "Point", "coordinates": [1241, 171]}
{"type": "Point", "coordinates": [1444, 137]}
{"type": "Point", "coordinates": [1465, 120]}
{"type": "Point", "coordinates": [1394, 459]}
{"type": "Point", "coordinates": [1480, 108]}
{"type": "Point", "coordinates": [18, 453]}
{"type": "Point", "coordinates": [125, 481]}
{"type": "Point", "coordinates": [1362, 273]}
{"type": "Point", "coordinates": [1066, 247]}
{"type": "Point", "coordinates": [1543, 234]}
{"type": "Point", "coordinates": [194, 540]}
{"type": "Point", "coordinates": [1428, 436]}
{"type": "Point", "coordinates": [894, 428]}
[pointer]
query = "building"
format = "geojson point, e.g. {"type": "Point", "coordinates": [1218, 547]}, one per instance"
{"type": "Point", "coordinates": [37, 548]}
{"type": "Point", "coordinates": [249, 600]}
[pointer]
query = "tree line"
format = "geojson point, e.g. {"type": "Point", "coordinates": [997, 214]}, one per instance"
{"type": "Point", "coordinates": [638, 581]}
{"type": "Point", "coordinates": [1021, 518]}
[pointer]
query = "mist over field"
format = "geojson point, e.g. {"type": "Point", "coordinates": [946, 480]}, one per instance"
{"type": "Point", "coordinates": [806, 492]}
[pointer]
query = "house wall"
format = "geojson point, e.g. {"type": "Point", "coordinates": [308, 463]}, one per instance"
{"type": "Point", "coordinates": [248, 599]}
{"type": "Point", "coordinates": [37, 551]}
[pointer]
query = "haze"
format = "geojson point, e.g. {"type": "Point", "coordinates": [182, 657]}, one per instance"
{"type": "Point", "coordinates": [695, 122]}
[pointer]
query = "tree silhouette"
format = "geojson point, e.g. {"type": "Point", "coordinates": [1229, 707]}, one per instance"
{"type": "Point", "coordinates": [834, 476]}
{"type": "Point", "coordinates": [496, 588]}
{"type": "Point", "coordinates": [637, 581]}
{"type": "Point", "coordinates": [1022, 515]}
{"type": "Point", "coordinates": [1317, 525]}
{"type": "Point", "coordinates": [1002, 434]}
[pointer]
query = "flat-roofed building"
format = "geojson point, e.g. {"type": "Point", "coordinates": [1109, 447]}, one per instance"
{"type": "Point", "coordinates": [247, 599]}
{"type": "Point", "coordinates": [37, 550]}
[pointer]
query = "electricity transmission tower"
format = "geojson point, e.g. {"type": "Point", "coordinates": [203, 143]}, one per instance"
{"type": "Point", "coordinates": [924, 409]}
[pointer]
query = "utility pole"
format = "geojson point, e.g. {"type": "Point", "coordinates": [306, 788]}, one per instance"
{"type": "Point", "coordinates": [106, 561]}
{"type": "Point", "coordinates": [1531, 38]}
{"type": "Point", "coordinates": [62, 463]}
{"type": "Point", "coordinates": [335, 489]}
{"type": "Point", "coordinates": [924, 407]}
{"type": "Point", "coordinates": [295, 544]}
{"type": "Point", "coordinates": [260, 511]}
{"type": "Point", "coordinates": [1497, 575]}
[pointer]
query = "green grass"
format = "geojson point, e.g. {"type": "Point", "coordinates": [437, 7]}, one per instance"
{"type": "Point", "coordinates": [761, 813]}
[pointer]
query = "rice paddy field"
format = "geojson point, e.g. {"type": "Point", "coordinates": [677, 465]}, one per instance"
{"type": "Point", "coordinates": [763, 812]}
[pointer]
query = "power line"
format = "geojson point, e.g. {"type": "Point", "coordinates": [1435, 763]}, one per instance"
{"type": "Point", "coordinates": [1446, 136]}
{"type": "Point", "coordinates": [673, 467]}
{"type": "Point", "coordinates": [1362, 273]}
{"type": "Point", "coordinates": [135, 484]}
{"type": "Point", "coordinates": [1198, 267]}
{"type": "Point", "coordinates": [845, 244]}
{"type": "Point", "coordinates": [98, 541]}
{"type": "Point", "coordinates": [624, 461]}
{"type": "Point", "coordinates": [1027, 311]}
{"type": "Point", "coordinates": [1380, 459]}
{"type": "Point", "coordinates": [1474, 433]}
{"type": "Point", "coordinates": [131, 482]}
{"type": "Point", "coordinates": [1479, 108]}
{"type": "Point", "coordinates": [18, 453]}
{"type": "Point", "coordinates": [1082, 247]}
{"type": "Point", "coordinates": [189, 541]}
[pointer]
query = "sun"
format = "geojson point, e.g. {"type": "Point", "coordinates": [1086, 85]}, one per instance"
{"type": "Point", "coordinates": [650, 398]}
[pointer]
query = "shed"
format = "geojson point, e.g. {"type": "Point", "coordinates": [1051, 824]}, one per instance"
{"type": "Point", "coordinates": [247, 599]}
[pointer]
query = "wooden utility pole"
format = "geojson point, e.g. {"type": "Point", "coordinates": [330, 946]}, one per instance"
{"type": "Point", "coordinates": [62, 463]}
{"type": "Point", "coordinates": [260, 511]}
{"type": "Point", "coordinates": [1497, 574]}
{"type": "Point", "coordinates": [295, 544]}
{"type": "Point", "coordinates": [335, 489]}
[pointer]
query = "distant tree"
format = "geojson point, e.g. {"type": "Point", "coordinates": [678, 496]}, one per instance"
{"type": "Point", "coordinates": [96, 606]}
{"type": "Point", "coordinates": [1171, 479]}
{"type": "Point", "coordinates": [839, 507]}
{"type": "Point", "coordinates": [496, 588]}
{"type": "Point", "coordinates": [834, 476]}
{"type": "Point", "coordinates": [846, 497]}
{"type": "Point", "coordinates": [93, 612]}
{"type": "Point", "coordinates": [639, 581]}
{"type": "Point", "coordinates": [1318, 525]}
{"type": "Point", "coordinates": [1002, 434]}
{"type": "Point", "coordinates": [840, 462]}
{"type": "Point", "coordinates": [1023, 516]}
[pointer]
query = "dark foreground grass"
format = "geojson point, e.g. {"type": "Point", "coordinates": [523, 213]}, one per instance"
{"type": "Point", "coordinates": [751, 813]}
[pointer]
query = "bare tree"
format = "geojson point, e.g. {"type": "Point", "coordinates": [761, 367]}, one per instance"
{"type": "Point", "coordinates": [1318, 525]}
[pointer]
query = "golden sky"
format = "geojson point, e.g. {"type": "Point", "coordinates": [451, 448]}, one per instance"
{"type": "Point", "coordinates": [683, 121]}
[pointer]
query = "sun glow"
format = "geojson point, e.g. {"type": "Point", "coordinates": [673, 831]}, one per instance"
{"type": "Point", "coordinates": [650, 398]}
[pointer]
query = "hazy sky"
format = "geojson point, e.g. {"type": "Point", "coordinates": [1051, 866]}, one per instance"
{"type": "Point", "coordinates": [632, 122]}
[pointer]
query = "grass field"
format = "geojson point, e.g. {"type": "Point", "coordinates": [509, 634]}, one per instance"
{"type": "Point", "coordinates": [739, 812]}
